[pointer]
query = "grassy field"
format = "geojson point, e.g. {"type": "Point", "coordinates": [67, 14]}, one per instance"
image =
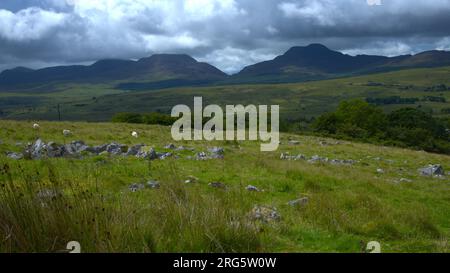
{"type": "Point", "coordinates": [347, 207]}
{"type": "Point", "coordinates": [297, 100]}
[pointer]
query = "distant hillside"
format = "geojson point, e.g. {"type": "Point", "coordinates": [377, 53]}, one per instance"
{"type": "Point", "coordinates": [156, 68]}
{"type": "Point", "coordinates": [298, 64]}
{"type": "Point", "coordinates": [316, 61]}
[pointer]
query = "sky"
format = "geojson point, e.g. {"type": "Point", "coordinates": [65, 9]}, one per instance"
{"type": "Point", "coordinates": [229, 34]}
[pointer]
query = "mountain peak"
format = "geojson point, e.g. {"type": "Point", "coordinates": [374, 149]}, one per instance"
{"type": "Point", "coordinates": [183, 58]}
{"type": "Point", "coordinates": [309, 48]}
{"type": "Point", "coordinates": [317, 47]}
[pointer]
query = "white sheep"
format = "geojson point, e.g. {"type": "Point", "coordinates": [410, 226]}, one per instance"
{"type": "Point", "coordinates": [36, 126]}
{"type": "Point", "coordinates": [134, 134]}
{"type": "Point", "coordinates": [67, 133]}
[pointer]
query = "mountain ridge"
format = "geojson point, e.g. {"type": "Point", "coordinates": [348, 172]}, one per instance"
{"type": "Point", "coordinates": [299, 63]}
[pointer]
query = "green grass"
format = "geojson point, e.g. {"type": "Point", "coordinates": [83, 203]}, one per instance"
{"type": "Point", "coordinates": [349, 205]}
{"type": "Point", "coordinates": [296, 100]}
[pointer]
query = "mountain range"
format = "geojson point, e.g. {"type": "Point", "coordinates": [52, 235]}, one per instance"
{"type": "Point", "coordinates": [312, 62]}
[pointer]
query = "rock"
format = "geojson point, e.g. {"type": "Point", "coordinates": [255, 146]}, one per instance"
{"type": "Point", "coordinates": [252, 188]}
{"type": "Point", "coordinates": [163, 156]}
{"type": "Point", "coordinates": [80, 146]}
{"type": "Point", "coordinates": [265, 214]}
{"type": "Point", "coordinates": [380, 171]}
{"type": "Point", "coordinates": [116, 149]}
{"type": "Point", "coordinates": [98, 149]}
{"type": "Point", "coordinates": [67, 133]}
{"type": "Point", "coordinates": [134, 150]}
{"type": "Point", "coordinates": [432, 170]}
{"type": "Point", "coordinates": [216, 156]}
{"type": "Point", "coordinates": [218, 185]}
{"type": "Point", "coordinates": [74, 148]}
{"type": "Point", "coordinates": [15, 156]}
{"type": "Point", "coordinates": [170, 146]}
{"type": "Point", "coordinates": [37, 150]}
{"type": "Point", "coordinates": [405, 180]}
{"type": "Point", "coordinates": [347, 162]}
{"type": "Point", "coordinates": [147, 154]}
{"type": "Point", "coordinates": [136, 187]}
{"type": "Point", "coordinates": [46, 194]}
{"type": "Point", "coordinates": [216, 150]}
{"type": "Point", "coordinates": [182, 148]}
{"type": "Point", "coordinates": [294, 142]}
{"type": "Point", "coordinates": [299, 202]}
{"type": "Point", "coordinates": [191, 179]}
{"type": "Point", "coordinates": [286, 156]}
{"type": "Point", "coordinates": [317, 159]}
{"type": "Point", "coordinates": [214, 153]}
{"type": "Point", "coordinates": [55, 150]}
{"type": "Point", "coordinates": [202, 156]}
{"type": "Point", "coordinates": [153, 184]}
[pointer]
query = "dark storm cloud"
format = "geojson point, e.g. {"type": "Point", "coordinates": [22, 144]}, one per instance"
{"type": "Point", "coordinates": [226, 33]}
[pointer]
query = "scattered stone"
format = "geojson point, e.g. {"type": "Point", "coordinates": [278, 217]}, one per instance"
{"type": "Point", "coordinates": [299, 202]}
{"type": "Point", "coordinates": [163, 156]}
{"type": "Point", "coordinates": [347, 162]}
{"type": "Point", "coordinates": [294, 142]}
{"type": "Point", "coordinates": [15, 156]}
{"type": "Point", "coordinates": [67, 133]}
{"type": "Point", "coordinates": [99, 149]}
{"type": "Point", "coordinates": [318, 159]}
{"type": "Point", "coordinates": [216, 150]}
{"type": "Point", "coordinates": [252, 188]}
{"type": "Point", "coordinates": [54, 150]}
{"type": "Point", "coordinates": [286, 156]}
{"type": "Point", "coordinates": [153, 184]}
{"type": "Point", "coordinates": [201, 156]}
{"type": "Point", "coordinates": [149, 155]}
{"type": "Point", "coordinates": [134, 150]}
{"type": "Point", "coordinates": [170, 146]}
{"type": "Point", "coordinates": [182, 148]}
{"type": "Point", "coordinates": [405, 180]}
{"type": "Point", "coordinates": [432, 170]}
{"type": "Point", "coordinates": [136, 187]}
{"type": "Point", "coordinates": [191, 179]}
{"type": "Point", "coordinates": [265, 214]}
{"type": "Point", "coordinates": [116, 149]}
{"type": "Point", "coordinates": [37, 150]}
{"type": "Point", "coordinates": [75, 147]}
{"type": "Point", "coordinates": [46, 194]}
{"type": "Point", "coordinates": [218, 185]}
{"type": "Point", "coordinates": [380, 171]}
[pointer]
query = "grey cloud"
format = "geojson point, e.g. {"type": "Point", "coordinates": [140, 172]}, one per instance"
{"type": "Point", "coordinates": [227, 33]}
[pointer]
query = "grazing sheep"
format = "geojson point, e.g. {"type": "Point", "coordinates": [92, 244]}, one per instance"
{"type": "Point", "coordinates": [135, 134]}
{"type": "Point", "coordinates": [67, 133]}
{"type": "Point", "coordinates": [36, 126]}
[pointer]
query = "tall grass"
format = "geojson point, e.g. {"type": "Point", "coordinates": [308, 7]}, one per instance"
{"type": "Point", "coordinates": [41, 213]}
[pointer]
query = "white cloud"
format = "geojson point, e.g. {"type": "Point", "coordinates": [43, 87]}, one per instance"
{"type": "Point", "coordinates": [29, 24]}
{"type": "Point", "coordinates": [231, 60]}
{"type": "Point", "coordinates": [390, 49]}
{"type": "Point", "coordinates": [272, 30]}
{"type": "Point", "coordinates": [322, 12]}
